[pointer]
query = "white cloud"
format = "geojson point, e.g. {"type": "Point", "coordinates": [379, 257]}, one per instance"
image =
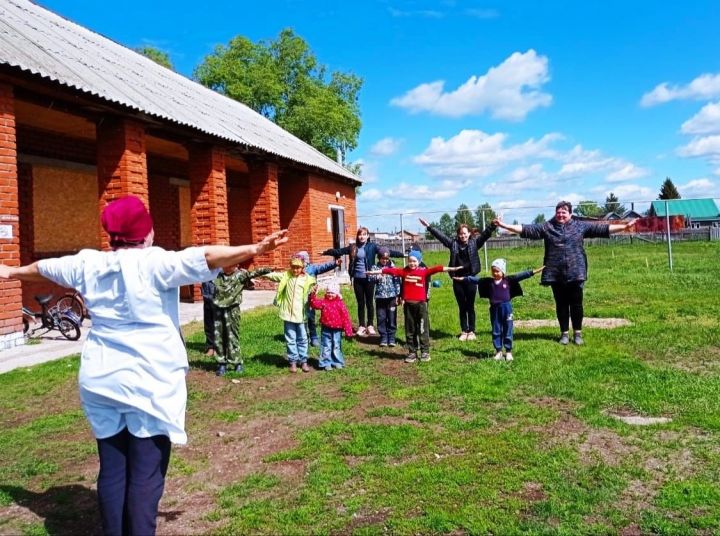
{"type": "Point", "coordinates": [369, 172]}
{"type": "Point", "coordinates": [424, 13]}
{"type": "Point", "coordinates": [706, 121]}
{"type": "Point", "coordinates": [385, 147]}
{"type": "Point", "coordinates": [417, 191]}
{"type": "Point", "coordinates": [627, 172]}
{"type": "Point", "coordinates": [473, 153]}
{"type": "Point", "coordinates": [633, 191]}
{"type": "Point", "coordinates": [372, 194]}
{"type": "Point", "coordinates": [508, 91]}
{"type": "Point", "coordinates": [479, 13]}
{"type": "Point", "coordinates": [698, 188]}
{"type": "Point", "coordinates": [704, 87]}
{"type": "Point", "coordinates": [707, 146]}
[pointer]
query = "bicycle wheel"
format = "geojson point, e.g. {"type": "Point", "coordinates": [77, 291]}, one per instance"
{"type": "Point", "coordinates": [68, 327]}
{"type": "Point", "coordinates": [74, 303]}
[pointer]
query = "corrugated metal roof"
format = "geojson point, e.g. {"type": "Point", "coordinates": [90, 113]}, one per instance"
{"type": "Point", "coordinates": [40, 42]}
{"type": "Point", "coordinates": [697, 209]}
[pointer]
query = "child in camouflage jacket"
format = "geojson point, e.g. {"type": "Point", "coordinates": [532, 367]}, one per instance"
{"type": "Point", "coordinates": [226, 300]}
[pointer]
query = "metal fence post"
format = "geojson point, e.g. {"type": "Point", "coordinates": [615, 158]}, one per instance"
{"type": "Point", "coordinates": [485, 244]}
{"type": "Point", "coordinates": [402, 236]}
{"type": "Point", "coordinates": [669, 239]}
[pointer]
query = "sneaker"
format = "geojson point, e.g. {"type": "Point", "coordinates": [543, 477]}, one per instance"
{"type": "Point", "coordinates": [425, 357]}
{"type": "Point", "coordinates": [361, 331]}
{"type": "Point", "coordinates": [498, 356]}
{"type": "Point", "coordinates": [370, 330]}
{"type": "Point", "coordinates": [339, 367]}
{"type": "Point", "coordinates": [463, 336]}
{"type": "Point", "coordinates": [508, 356]}
{"type": "Point", "coordinates": [391, 343]}
{"type": "Point", "coordinates": [577, 339]}
{"type": "Point", "coordinates": [383, 343]}
{"type": "Point", "coordinates": [293, 367]}
{"type": "Point", "coordinates": [221, 370]}
{"type": "Point", "coordinates": [314, 342]}
{"type": "Point", "coordinates": [239, 368]}
{"type": "Point", "coordinates": [411, 358]}
{"type": "Point", "coordinates": [471, 336]}
{"type": "Point", "coordinates": [305, 367]}
{"type": "Point", "coordinates": [564, 339]}
{"type": "Point", "coordinates": [327, 367]}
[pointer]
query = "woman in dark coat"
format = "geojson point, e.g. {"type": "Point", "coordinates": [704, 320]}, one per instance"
{"type": "Point", "coordinates": [565, 261]}
{"type": "Point", "coordinates": [363, 254]}
{"type": "Point", "coordinates": [464, 250]}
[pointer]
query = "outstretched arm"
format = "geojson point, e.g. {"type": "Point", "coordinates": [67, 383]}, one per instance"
{"type": "Point", "coordinates": [29, 272]}
{"type": "Point", "coordinates": [517, 229]}
{"type": "Point", "coordinates": [220, 256]}
{"type": "Point", "coordinates": [619, 227]}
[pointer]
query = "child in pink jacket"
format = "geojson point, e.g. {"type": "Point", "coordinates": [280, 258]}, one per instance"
{"type": "Point", "coordinates": [334, 319]}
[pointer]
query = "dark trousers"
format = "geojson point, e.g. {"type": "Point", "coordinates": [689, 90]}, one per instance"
{"type": "Point", "coordinates": [365, 296]}
{"type": "Point", "coordinates": [209, 323]}
{"type": "Point", "coordinates": [311, 324]}
{"type": "Point", "coordinates": [386, 318]}
{"type": "Point", "coordinates": [417, 331]}
{"type": "Point", "coordinates": [131, 482]}
{"type": "Point", "coordinates": [465, 292]}
{"type": "Point", "coordinates": [501, 320]}
{"type": "Point", "coordinates": [569, 304]}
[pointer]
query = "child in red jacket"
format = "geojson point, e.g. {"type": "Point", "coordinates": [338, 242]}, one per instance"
{"type": "Point", "coordinates": [334, 318]}
{"type": "Point", "coordinates": [414, 295]}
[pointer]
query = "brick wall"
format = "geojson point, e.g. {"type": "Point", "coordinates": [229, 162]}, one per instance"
{"type": "Point", "coordinates": [165, 210]}
{"type": "Point", "coordinates": [10, 291]}
{"type": "Point", "coordinates": [265, 209]}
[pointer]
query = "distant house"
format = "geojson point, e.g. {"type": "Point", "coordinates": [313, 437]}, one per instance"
{"type": "Point", "coordinates": [697, 213]}
{"type": "Point", "coordinates": [631, 214]}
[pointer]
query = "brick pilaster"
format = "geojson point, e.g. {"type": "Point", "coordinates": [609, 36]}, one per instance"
{"type": "Point", "coordinates": [208, 198]}
{"type": "Point", "coordinates": [10, 291]}
{"type": "Point", "coordinates": [121, 162]}
{"type": "Point", "coordinates": [265, 208]}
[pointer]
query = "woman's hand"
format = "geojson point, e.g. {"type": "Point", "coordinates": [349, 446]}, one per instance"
{"type": "Point", "coordinates": [456, 278]}
{"type": "Point", "coordinates": [538, 270]}
{"type": "Point", "coordinates": [452, 268]}
{"type": "Point", "coordinates": [423, 222]}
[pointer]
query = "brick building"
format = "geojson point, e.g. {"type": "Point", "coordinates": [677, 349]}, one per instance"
{"type": "Point", "coordinates": [84, 120]}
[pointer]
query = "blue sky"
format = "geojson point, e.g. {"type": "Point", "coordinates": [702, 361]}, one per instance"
{"type": "Point", "coordinates": [515, 103]}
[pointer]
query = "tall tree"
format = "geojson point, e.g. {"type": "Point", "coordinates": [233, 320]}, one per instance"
{"type": "Point", "coordinates": [668, 190]}
{"type": "Point", "coordinates": [446, 225]}
{"type": "Point", "coordinates": [588, 209]}
{"type": "Point", "coordinates": [284, 81]}
{"type": "Point", "coordinates": [490, 215]}
{"type": "Point", "coordinates": [464, 215]}
{"type": "Point", "coordinates": [612, 204]}
{"type": "Point", "coordinates": [158, 56]}
{"type": "Point", "coordinates": [540, 218]}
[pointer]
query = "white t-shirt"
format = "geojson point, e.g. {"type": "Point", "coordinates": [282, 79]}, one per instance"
{"type": "Point", "coordinates": [133, 364]}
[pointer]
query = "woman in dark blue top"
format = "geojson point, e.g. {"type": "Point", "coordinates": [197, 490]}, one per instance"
{"type": "Point", "coordinates": [565, 261]}
{"type": "Point", "coordinates": [363, 254]}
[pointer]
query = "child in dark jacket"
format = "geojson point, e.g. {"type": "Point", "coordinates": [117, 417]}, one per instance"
{"type": "Point", "coordinates": [499, 290]}
{"type": "Point", "coordinates": [387, 292]}
{"type": "Point", "coordinates": [334, 319]}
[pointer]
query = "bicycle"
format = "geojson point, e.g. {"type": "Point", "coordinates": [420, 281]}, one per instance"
{"type": "Point", "coordinates": [75, 302]}
{"type": "Point", "coordinates": [63, 320]}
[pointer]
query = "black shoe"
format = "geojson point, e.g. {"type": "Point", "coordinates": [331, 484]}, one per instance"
{"type": "Point", "coordinates": [314, 342]}
{"type": "Point", "coordinates": [221, 370]}
{"type": "Point", "coordinates": [239, 368]}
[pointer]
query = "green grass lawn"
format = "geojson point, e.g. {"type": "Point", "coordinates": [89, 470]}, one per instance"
{"type": "Point", "coordinates": [459, 445]}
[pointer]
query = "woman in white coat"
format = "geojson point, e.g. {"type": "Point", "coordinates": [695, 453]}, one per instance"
{"type": "Point", "coordinates": [134, 362]}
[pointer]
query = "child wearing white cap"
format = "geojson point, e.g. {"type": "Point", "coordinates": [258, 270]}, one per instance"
{"type": "Point", "coordinates": [500, 289]}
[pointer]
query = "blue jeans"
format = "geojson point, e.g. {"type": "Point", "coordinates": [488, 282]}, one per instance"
{"type": "Point", "coordinates": [296, 342]}
{"type": "Point", "coordinates": [311, 325]}
{"type": "Point", "coordinates": [386, 318]}
{"type": "Point", "coordinates": [501, 319]}
{"type": "Point", "coordinates": [331, 347]}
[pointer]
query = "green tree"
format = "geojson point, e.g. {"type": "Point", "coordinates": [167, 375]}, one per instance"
{"type": "Point", "coordinates": [490, 215]}
{"type": "Point", "coordinates": [540, 218]}
{"type": "Point", "coordinates": [446, 225]}
{"type": "Point", "coordinates": [668, 190]}
{"type": "Point", "coordinates": [158, 56]}
{"type": "Point", "coordinates": [612, 204]}
{"type": "Point", "coordinates": [283, 80]}
{"type": "Point", "coordinates": [589, 209]}
{"type": "Point", "coordinates": [463, 215]}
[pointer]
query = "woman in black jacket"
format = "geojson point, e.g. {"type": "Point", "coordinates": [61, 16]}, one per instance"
{"type": "Point", "coordinates": [363, 254]}
{"type": "Point", "coordinates": [464, 252]}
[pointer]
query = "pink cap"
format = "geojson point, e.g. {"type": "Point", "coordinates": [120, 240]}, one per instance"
{"type": "Point", "coordinates": [126, 220]}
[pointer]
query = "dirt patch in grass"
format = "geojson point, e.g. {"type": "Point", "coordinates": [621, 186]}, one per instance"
{"type": "Point", "coordinates": [597, 323]}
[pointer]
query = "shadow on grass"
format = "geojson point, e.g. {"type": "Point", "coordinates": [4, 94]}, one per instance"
{"type": "Point", "coordinates": [65, 509]}
{"type": "Point", "coordinates": [276, 360]}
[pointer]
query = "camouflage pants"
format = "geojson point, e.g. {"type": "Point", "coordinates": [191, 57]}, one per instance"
{"type": "Point", "coordinates": [227, 336]}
